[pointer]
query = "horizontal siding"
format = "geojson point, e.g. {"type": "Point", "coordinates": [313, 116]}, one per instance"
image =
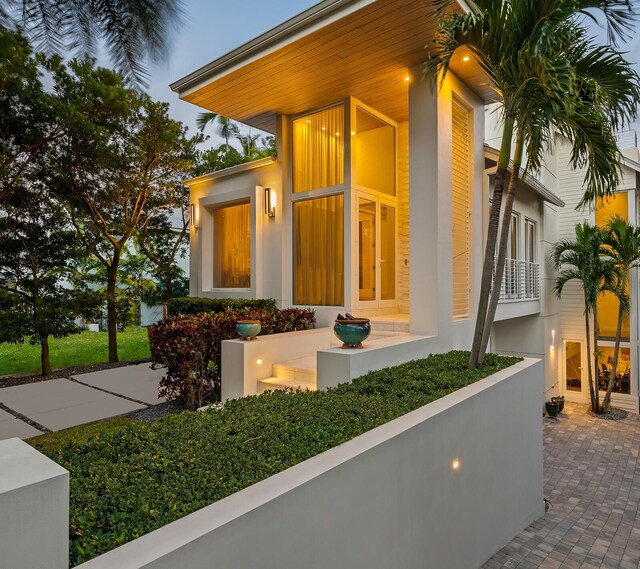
{"type": "Point", "coordinates": [403, 217]}
{"type": "Point", "coordinates": [570, 190]}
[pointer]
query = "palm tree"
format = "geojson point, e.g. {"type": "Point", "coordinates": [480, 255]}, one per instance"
{"type": "Point", "coordinates": [586, 260]}
{"type": "Point", "coordinates": [227, 128]}
{"type": "Point", "coordinates": [548, 76]}
{"type": "Point", "coordinates": [131, 30]}
{"type": "Point", "coordinates": [623, 243]}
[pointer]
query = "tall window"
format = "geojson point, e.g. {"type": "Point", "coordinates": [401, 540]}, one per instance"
{"type": "Point", "coordinates": [461, 210]}
{"type": "Point", "coordinates": [318, 251]}
{"type": "Point", "coordinates": [615, 205]}
{"type": "Point", "coordinates": [530, 241]}
{"type": "Point", "coordinates": [374, 148]}
{"type": "Point", "coordinates": [318, 150]}
{"type": "Point", "coordinates": [232, 246]}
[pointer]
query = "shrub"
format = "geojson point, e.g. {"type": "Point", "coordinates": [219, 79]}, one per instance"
{"type": "Point", "coordinates": [193, 305]}
{"type": "Point", "coordinates": [134, 480]}
{"type": "Point", "coordinates": [190, 348]}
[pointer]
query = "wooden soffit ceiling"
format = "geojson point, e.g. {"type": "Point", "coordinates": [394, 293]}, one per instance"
{"type": "Point", "coordinates": [364, 50]}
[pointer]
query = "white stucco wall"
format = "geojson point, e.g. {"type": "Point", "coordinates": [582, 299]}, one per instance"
{"type": "Point", "coordinates": [430, 144]}
{"type": "Point", "coordinates": [388, 498]}
{"type": "Point", "coordinates": [34, 509]}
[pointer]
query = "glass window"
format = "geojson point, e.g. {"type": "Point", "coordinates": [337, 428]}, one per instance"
{"type": "Point", "coordinates": [318, 150]}
{"type": "Point", "coordinates": [374, 147]}
{"type": "Point", "coordinates": [622, 381]}
{"type": "Point", "coordinates": [318, 251]}
{"type": "Point", "coordinates": [608, 305]}
{"type": "Point", "coordinates": [232, 246]}
{"type": "Point", "coordinates": [530, 241]}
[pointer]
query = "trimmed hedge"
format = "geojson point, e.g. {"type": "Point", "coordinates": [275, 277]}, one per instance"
{"type": "Point", "coordinates": [128, 483]}
{"type": "Point", "coordinates": [193, 305]}
{"type": "Point", "coordinates": [190, 348]}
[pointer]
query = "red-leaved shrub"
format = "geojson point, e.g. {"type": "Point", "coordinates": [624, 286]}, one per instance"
{"type": "Point", "coordinates": [190, 348]}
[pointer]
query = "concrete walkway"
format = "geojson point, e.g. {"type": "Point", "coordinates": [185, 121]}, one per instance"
{"type": "Point", "coordinates": [35, 408]}
{"type": "Point", "coordinates": [592, 479]}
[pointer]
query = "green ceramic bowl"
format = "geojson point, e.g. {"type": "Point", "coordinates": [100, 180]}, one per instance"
{"type": "Point", "coordinates": [248, 329]}
{"type": "Point", "coordinates": [352, 332]}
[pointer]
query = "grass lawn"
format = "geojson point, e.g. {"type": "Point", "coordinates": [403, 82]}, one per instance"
{"type": "Point", "coordinates": [129, 478]}
{"type": "Point", "coordinates": [80, 349]}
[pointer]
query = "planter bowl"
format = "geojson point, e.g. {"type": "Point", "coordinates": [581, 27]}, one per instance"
{"type": "Point", "coordinates": [560, 402]}
{"type": "Point", "coordinates": [552, 408]}
{"type": "Point", "coordinates": [248, 329]}
{"type": "Point", "coordinates": [352, 332]}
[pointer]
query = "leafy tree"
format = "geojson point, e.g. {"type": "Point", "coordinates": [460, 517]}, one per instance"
{"type": "Point", "coordinates": [623, 243]}
{"type": "Point", "coordinates": [37, 246]}
{"type": "Point", "coordinates": [549, 76]}
{"type": "Point", "coordinates": [119, 166]}
{"type": "Point", "coordinates": [27, 111]}
{"type": "Point", "coordinates": [586, 260]}
{"type": "Point", "coordinates": [226, 127]}
{"type": "Point", "coordinates": [131, 31]}
{"type": "Point", "coordinates": [163, 240]}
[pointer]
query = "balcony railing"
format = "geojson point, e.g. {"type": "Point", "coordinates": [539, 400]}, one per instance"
{"type": "Point", "coordinates": [521, 280]}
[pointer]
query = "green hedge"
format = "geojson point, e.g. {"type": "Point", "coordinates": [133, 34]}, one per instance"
{"type": "Point", "coordinates": [190, 348]}
{"type": "Point", "coordinates": [192, 305]}
{"type": "Point", "coordinates": [128, 483]}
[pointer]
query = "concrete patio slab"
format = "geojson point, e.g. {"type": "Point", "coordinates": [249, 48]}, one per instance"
{"type": "Point", "coordinates": [138, 382]}
{"type": "Point", "coordinates": [11, 427]}
{"type": "Point", "coordinates": [60, 403]}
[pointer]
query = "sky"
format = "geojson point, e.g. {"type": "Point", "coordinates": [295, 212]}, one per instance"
{"type": "Point", "coordinates": [211, 29]}
{"type": "Point", "coordinates": [214, 27]}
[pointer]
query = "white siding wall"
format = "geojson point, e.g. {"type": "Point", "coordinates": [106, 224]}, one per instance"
{"type": "Point", "coordinates": [570, 190]}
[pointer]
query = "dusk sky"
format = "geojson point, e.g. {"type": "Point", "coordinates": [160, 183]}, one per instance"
{"type": "Point", "coordinates": [212, 28]}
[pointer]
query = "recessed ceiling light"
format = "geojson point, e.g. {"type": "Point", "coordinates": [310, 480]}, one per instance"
{"type": "Point", "coordinates": [466, 58]}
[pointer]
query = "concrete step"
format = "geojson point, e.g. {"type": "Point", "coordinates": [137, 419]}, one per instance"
{"type": "Point", "coordinates": [272, 383]}
{"type": "Point", "coordinates": [301, 369]}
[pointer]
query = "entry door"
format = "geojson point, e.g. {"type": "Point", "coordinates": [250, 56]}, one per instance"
{"type": "Point", "coordinates": [575, 379]}
{"type": "Point", "coordinates": [376, 233]}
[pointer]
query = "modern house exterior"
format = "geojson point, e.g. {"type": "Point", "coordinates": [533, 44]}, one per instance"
{"type": "Point", "coordinates": [377, 202]}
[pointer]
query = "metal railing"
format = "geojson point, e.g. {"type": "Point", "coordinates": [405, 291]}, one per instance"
{"type": "Point", "coordinates": [521, 280]}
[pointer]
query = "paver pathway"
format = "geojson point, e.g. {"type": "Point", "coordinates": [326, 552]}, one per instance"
{"type": "Point", "coordinates": [61, 403]}
{"type": "Point", "coordinates": [592, 479]}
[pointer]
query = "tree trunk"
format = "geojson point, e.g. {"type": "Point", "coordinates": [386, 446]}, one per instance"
{"type": "Point", "coordinates": [502, 249]}
{"type": "Point", "coordinates": [490, 249]}
{"type": "Point", "coordinates": [112, 314]}
{"type": "Point", "coordinates": [45, 361]}
{"type": "Point", "coordinates": [596, 398]}
{"type": "Point", "coordinates": [587, 318]}
{"type": "Point", "coordinates": [614, 365]}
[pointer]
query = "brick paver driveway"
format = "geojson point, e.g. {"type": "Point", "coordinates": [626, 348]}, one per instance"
{"type": "Point", "coordinates": [592, 479]}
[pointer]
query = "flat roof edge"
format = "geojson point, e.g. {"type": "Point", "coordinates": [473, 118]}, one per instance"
{"type": "Point", "coordinates": [237, 169]}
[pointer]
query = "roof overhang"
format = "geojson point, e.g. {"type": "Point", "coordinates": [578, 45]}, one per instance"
{"type": "Point", "coordinates": [231, 171]}
{"type": "Point", "coordinates": [527, 180]}
{"type": "Point", "coordinates": [629, 163]}
{"type": "Point", "coordinates": [335, 49]}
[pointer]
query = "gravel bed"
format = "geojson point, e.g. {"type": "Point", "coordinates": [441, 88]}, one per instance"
{"type": "Point", "coordinates": [612, 414]}
{"type": "Point", "coordinates": [155, 412]}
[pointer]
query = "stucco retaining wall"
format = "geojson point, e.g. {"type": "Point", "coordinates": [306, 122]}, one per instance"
{"type": "Point", "coordinates": [390, 498]}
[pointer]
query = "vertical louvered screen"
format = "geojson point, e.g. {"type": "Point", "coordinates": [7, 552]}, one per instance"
{"type": "Point", "coordinates": [461, 210]}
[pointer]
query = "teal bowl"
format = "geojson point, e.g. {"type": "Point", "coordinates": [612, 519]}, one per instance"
{"type": "Point", "coordinates": [352, 332]}
{"type": "Point", "coordinates": [248, 329]}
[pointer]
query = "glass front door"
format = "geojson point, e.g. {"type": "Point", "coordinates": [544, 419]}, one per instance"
{"type": "Point", "coordinates": [575, 381]}
{"type": "Point", "coordinates": [376, 235]}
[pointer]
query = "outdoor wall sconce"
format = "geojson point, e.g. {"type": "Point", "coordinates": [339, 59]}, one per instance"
{"type": "Point", "coordinates": [269, 202]}
{"type": "Point", "coordinates": [195, 216]}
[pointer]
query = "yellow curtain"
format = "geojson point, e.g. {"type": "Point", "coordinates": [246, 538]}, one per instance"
{"type": "Point", "coordinates": [232, 247]}
{"type": "Point", "coordinates": [318, 251]}
{"type": "Point", "coordinates": [318, 150]}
